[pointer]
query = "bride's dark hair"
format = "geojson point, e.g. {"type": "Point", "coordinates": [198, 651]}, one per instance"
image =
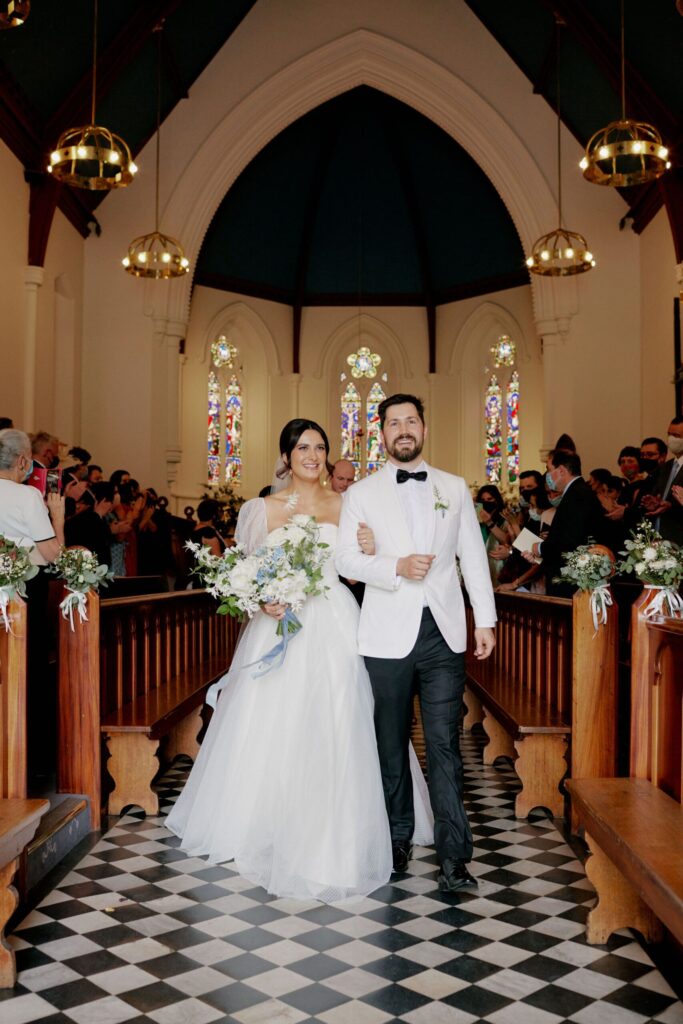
{"type": "Point", "coordinates": [289, 439]}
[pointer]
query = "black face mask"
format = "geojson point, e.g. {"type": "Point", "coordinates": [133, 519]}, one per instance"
{"type": "Point", "coordinates": [648, 465]}
{"type": "Point", "coordinates": [528, 492]}
{"type": "Point", "coordinates": [489, 506]}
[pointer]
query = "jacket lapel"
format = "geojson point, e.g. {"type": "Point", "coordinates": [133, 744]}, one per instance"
{"type": "Point", "coordinates": [392, 511]}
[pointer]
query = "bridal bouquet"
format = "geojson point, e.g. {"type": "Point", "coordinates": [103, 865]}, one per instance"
{"type": "Point", "coordinates": [15, 570]}
{"type": "Point", "coordinates": [286, 569]}
{"type": "Point", "coordinates": [657, 563]}
{"type": "Point", "coordinates": [81, 573]}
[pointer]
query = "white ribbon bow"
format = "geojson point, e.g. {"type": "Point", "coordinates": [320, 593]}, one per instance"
{"type": "Point", "coordinates": [5, 597]}
{"type": "Point", "coordinates": [79, 601]}
{"type": "Point", "coordinates": [601, 600]}
{"type": "Point", "coordinates": [665, 595]}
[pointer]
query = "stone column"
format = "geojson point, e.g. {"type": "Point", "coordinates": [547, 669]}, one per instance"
{"type": "Point", "coordinates": [33, 279]}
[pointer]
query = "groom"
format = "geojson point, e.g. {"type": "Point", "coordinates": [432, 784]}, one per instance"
{"type": "Point", "coordinates": [412, 624]}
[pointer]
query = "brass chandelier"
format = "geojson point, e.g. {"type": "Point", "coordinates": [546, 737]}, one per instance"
{"type": "Point", "coordinates": [560, 253]}
{"type": "Point", "coordinates": [626, 152]}
{"type": "Point", "coordinates": [156, 255]}
{"type": "Point", "coordinates": [92, 157]}
{"type": "Point", "coordinates": [14, 13]}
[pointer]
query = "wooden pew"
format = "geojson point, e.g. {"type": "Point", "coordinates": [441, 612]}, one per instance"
{"type": "Point", "coordinates": [634, 826]}
{"type": "Point", "coordinates": [134, 674]}
{"type": "Point", "coordinates": [547, 695]}
{"type": "Point", "coordinates": [19, 817]}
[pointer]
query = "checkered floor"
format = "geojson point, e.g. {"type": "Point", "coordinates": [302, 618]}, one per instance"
{"type": "Point", "coordinates": [141, 932]}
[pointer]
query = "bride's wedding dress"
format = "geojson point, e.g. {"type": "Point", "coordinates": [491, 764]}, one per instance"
{"type": "Point", "coordinates": [287, 782]}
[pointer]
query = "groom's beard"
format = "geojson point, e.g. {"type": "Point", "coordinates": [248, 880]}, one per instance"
{"type": "Point", "coordinates": [404, 452]}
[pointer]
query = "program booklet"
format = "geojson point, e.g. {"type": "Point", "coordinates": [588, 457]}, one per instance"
{"type": "Point", "coordinates": [525, 540]}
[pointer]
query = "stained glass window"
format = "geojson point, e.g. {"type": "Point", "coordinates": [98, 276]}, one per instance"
{"type": "Point", "coordinates": [375, 456]}
{"type": "Point", "coordinates": [513, 428]}
{"type": "Point", "coordinates": [492, 413]}
{"type": "Point", "coordinates": [350, 425]}
{"type": "Point", "coordinates": [363, 363]}
{"type": "Point", "coordinates": [233, 431]}
{"type": "Point", "coordinates": [504, 352]}
{"type": "Point", "coordinates": [223, 352]}
{"type": "Point", "coordinates": [214, 430]}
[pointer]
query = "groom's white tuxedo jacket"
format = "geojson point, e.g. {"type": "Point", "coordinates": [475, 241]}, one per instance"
{"type": "Point", "coordinates": [392, 606]}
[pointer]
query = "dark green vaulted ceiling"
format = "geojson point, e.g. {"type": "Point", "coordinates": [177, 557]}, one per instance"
{"type": "Point", "coordinates": [363, 198]}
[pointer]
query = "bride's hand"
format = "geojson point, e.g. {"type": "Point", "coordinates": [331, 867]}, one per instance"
{"type": "Point", "coordinates": [366, 539]}
{"type": "Point", "coordinates": [276, 611]}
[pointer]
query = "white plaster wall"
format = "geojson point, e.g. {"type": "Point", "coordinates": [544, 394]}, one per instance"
{"type": "Point", "coordinates": [658, 290]}
{"type": "Point", "coordinates": [125, 413]}
{"type": "Point", "coordinates": [14, 220]}
{"type": "Point", "coordinates": [59, 313]}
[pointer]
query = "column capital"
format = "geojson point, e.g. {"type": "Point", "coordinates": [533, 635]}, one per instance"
{"type": "Point", "coordinates": [34, 276]}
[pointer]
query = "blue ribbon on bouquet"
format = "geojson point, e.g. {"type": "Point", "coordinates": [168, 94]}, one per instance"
{"type": "Point", "coordinates": [276, 655]}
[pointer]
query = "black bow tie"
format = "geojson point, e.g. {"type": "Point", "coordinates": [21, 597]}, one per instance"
{"type": "Point", "coordinates": [402, 475]}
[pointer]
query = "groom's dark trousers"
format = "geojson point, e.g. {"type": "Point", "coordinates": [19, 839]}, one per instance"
{"type": "Point", "coordinates": [437, 674]}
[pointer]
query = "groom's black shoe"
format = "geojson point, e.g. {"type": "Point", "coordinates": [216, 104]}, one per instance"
{"type": "Point", "coordinates": [402, 850]}
{"type": "Point", "coordinates": [454, 875]}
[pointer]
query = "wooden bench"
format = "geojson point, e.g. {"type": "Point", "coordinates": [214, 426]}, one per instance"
{"type": "Point", "coordinates": [134, 674]}
{"type": "Point", "coordinates": [634, 826]}
{"type": "Point", "coordinates": [547, 695]}
{"type": "Point", "coordinates": [19, 817]}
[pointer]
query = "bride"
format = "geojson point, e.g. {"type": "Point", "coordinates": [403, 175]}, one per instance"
{"type": "Point", "coordinates": [287, 782]}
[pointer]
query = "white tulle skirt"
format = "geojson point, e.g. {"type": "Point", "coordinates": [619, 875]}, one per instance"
{"type": "Point", "coordinates": [287, 783]}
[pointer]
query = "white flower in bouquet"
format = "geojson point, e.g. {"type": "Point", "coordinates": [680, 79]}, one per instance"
{"type": "Point", "coordinates": [657, 563]}
{"type": "Point", "coordinates": [16, 569]}
{"type": "Point", "coordinates": [81, 572]}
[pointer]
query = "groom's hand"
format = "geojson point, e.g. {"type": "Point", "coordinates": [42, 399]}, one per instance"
{"type": "Point", "coordinates": [414, 567]}
{"type": "Point", "coordinates": [485, 641]}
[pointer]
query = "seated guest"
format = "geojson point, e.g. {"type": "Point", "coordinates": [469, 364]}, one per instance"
{"type": "Point", "coordinates": [45, 450]}
{"type": "Point", "coordinates": [494, 529]}
{"type": "Point", "coordinates": [89, 528]}
{"type": "Point", "coordinates": [653, 453]}
{"type": "Point", "coordinates": [342, 476]}
{"type": "Point", "coordinates": [598, 477]}
{"type": "Point", "coordinates": [578, 519]}
{"type": "Point", "coordinates": [205, 531]}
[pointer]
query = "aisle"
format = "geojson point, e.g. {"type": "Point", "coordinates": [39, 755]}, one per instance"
{"type": "Point", "coordinates": [141, 932]}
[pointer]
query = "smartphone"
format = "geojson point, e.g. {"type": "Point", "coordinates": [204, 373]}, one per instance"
{"type": "Point", "coordinates": [53, 482]}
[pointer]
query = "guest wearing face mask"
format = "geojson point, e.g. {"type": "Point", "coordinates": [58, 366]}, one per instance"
{"type": "Point", "coordinates": [577, 520]}
{"type": "Point", "coordinates": [653, 452]}
{"type": "Point", "coordinates": [664, 506]}
{"type": "Point", "coordinates": [493, 526]}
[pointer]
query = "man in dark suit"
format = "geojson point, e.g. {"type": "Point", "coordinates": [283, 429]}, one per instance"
{"type": "Point", "coordinates": [664, 505]}
{"type": "Point", "coordinates": [579, 518]}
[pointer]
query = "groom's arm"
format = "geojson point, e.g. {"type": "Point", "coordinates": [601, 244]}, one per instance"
{"type": "Point", "coordinates": [350, 562]}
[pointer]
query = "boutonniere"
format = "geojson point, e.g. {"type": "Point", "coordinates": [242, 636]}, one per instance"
{"type": "Point", "coordinates": [440, 504]}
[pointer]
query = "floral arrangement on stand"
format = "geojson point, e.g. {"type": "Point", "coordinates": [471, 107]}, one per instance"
{"type": "Point", "coordinates": [81, 573]}
{"type": "Point", "coordinates": [16, 569]}
{"type": "Point", "coordinates": [229, 500]}
{"type": "Point", "coordinates": [286, 569]}
{"type": "Point", "coordinates": [658, 564]}
{"type": "Point", "coordinates": [589, 568]}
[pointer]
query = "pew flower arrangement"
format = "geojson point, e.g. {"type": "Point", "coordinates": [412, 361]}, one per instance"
{"type": "Point", "coordinates": [658, 564]}
{"type": "Point", "coordinates": [286, 569]}
{"type": "Point", "coordinates": [589, 568]}
{"type": "Point", "coordinates": [15, 571]}
{"type": "Point", "coordinates": [81, 573]}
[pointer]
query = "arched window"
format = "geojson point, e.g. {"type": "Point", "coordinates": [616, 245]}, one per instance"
{"type": "Point", "coordinates": [360, 399]}
{"type": "Point", "coordinates": [502, 421]}
{"type": "Point", "coordinates": [226, 408]}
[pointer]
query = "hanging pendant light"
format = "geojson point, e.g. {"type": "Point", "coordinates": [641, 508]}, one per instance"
{"type": "Point", "coordinates": [14, 13]}
{"type": "Point", "coordinates": [92, 157]}
{"type": "Point", "coordinates": [560, 253]}
{"type": "Point", "coordinates": [626, 152]}
{"type": "Point", "coordinates": [156, 255]}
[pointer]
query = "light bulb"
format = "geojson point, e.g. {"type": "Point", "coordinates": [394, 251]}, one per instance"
{"type": "Point", "coordinates": [530, 261]}
{"type": "Point", "coordinates": [82, 152]}
{"type": "Point", "coordinates": [125, 261]}
{"type": "Point", "coordinates": [166, 257]}
{"type": "Point", "coordinates": [133, 168]}
{"type": "Point", "coordinates": [637, 147]}
{"type": "Point", "coordinates": [583, 164]}
{"type": "Point", "coordinates": [184, 262]}
{"type": "Point", "coordinates": [114, 157]}
{"type": "Point", "coordinates": [545, 255]}
{"type": "Point", "coordinates": [589, 257]}
{"type": "Point", "coordinates": [142, 257]}
{"type": "Point", "coordinates": [54, 157]}
{"type": "Point", "coordinates": [603, 152]}
{"type": "Point", "coordinates": [663, 152]}
{"type": "Point", "coordinates": [569, 253]}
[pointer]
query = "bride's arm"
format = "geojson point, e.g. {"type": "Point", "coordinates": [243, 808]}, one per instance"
{"type": "Point", "coordinates": [350, 561]}
{"type": "Point", "coordinates": [252, 525]}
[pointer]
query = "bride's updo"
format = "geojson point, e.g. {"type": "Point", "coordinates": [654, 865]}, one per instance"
{"type": "Point", "coordinates": [289, 439]}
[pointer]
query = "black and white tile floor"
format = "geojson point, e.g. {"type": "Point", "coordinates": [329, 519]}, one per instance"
{"type": "Point", "coordinates": [141, 932]}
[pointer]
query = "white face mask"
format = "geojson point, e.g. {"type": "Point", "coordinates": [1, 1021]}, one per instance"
{"type": "Point", "coordinates": [675, 444]}
{"type": "Point", "coordinates": [535, 514]}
